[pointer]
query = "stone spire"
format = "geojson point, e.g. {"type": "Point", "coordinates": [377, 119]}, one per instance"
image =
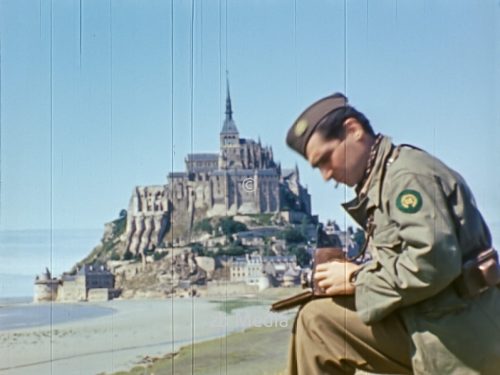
{"type": "Point", "coordinates": [229, 126]}
{"type": "Point", "coordinates": [229, 110]}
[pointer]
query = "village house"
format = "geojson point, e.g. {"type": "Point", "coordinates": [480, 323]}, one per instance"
{"type": "Point", "coordinates": [250, 269]}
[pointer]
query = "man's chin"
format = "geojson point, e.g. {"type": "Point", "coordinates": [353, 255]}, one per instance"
{"type": "Point", "coordinates": [336, 183]}
{"type": "Point", "coordinates": [346, 183]}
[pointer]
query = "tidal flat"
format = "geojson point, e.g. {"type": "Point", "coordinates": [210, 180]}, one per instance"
{"type": "Point", "coordinates": [138, 332]}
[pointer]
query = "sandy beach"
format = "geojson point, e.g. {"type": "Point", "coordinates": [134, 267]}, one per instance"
{"type": "Point", "coordinates": [135, 331]}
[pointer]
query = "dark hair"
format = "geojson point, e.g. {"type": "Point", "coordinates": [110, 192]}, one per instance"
{"type": "Point", "coordinates": [331, 127]}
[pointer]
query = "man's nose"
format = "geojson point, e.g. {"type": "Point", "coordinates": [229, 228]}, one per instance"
{"type": "Point", "coordinates": [326, 173]}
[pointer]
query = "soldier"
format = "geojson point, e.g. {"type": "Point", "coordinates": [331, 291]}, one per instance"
{"type": "Point", "coordinates": [413, 308]}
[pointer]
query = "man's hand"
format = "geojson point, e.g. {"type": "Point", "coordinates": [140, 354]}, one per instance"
{"type": "Point", "coordinates": [334, 277]}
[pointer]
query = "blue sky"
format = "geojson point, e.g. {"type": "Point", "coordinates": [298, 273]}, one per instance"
{"type": "Point", "coordinates": [96, 99]}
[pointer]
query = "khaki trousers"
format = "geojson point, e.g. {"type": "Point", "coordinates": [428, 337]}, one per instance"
{"type": "Point", "coordinates": [329, 338]}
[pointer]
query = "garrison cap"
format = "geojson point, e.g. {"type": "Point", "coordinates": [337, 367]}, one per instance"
{"type": "Point", "coordinates": [323, 110]}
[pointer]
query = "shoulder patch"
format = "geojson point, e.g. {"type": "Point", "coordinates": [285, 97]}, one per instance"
{"type": "Point", "coordinates": [409, 201]}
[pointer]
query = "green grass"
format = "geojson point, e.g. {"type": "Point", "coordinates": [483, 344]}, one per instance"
{"type": "Point", "coordinates": [232, 304]}
{"type": "Point", "coordinates": [257, 351]}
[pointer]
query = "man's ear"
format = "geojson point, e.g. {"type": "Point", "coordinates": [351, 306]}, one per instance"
{"type": "Point", "coordinates": [353, 128]}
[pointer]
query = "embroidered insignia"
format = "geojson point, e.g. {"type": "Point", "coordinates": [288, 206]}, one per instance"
{"type": "Point", "coordinates": [300, 128]}
{"type": "Point", "coordinates": [409, 201]}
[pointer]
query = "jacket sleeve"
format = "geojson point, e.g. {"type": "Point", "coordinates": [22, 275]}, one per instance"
{"type": "Point", "coordinates": [419, 253]}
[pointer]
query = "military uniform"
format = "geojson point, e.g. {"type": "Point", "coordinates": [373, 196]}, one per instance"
{"type": "Point", "coordinates": [408, 316]}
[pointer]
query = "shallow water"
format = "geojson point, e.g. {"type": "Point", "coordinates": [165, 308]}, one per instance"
{"type": "Point", "coordinates": [17, 316]}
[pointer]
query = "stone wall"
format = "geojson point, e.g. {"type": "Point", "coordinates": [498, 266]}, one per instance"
{"type": "Point", "coordinates": [226, 288]}
{"type": "Point", "coordinates": [98, 295]}
{"type": "Point", "coordinates": [45, 291]}
{"type": "Point", "coordinates": [72, 290]}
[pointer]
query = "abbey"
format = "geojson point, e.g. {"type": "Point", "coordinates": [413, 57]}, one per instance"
{"type": "Point", "coordinates": [241, 179]}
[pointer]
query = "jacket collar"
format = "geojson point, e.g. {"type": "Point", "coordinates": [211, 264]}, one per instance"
{"type": "Point", "coordinates": [369, 195]}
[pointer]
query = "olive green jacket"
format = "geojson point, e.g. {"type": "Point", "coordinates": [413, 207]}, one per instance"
{"type": "Point", "coordinates": [425, 220]}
